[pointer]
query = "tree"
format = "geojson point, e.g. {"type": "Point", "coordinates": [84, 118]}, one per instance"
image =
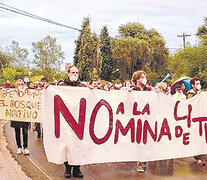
{"type": "Point", "coordinates": [159, 52]}
{"type": "Point", "coordinates": [10, 74]}
{"type": "Point", "coordinates": [191, 61]}
{"type": "Point", "coordinates": [137, 48]}
{"type": "Point", "coordinates": [131, 49]}
{"type": "Point", "coordinates": [86, 52]}
{"type": "Point", "coordinates": [36, 78]}
{"type": "Point", "coordinates": [48, 56]}
{"type": "Point", "coordinates": [19, 55]}
{"type": "Point", "coordinates": [5, 60]}
{"type": "Point", "coordinates": [107, 65]}
{"type": "Point", "coordinates": [94, 74]}
{"type": "Point", "coordinates": [202, 32]}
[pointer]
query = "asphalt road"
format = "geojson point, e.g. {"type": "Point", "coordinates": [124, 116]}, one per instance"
{"type": "Point", "coordinates": [37, 167]}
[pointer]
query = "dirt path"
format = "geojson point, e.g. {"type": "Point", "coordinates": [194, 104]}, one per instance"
{"type": "Point", "coordinates": [9, 169]}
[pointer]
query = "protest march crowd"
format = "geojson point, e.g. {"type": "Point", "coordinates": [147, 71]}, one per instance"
{"type": "Point", "coordinates": [182, 89]}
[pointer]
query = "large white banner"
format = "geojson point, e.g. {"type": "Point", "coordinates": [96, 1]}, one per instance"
{"type": "Point", "coordinates": [86, 126]}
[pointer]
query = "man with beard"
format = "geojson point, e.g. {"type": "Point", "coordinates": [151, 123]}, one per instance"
{"type": "Point", "coordinates": [72, 80]}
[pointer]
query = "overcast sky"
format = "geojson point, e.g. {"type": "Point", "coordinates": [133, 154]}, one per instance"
{"type": "Point", "coordinates": [168, 17]}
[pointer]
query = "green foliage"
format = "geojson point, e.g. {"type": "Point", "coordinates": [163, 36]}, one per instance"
{"type": "Point", "coordinates": [86, 55]}
{"type": "Point", "coordinates": [36, 78]}
{"type": "Point", "coordinates": [59, 76]}
{"type": "Point", "coordinates": [136, 48]}
{"type": "Point", "coordinates": [14, 73]}
{"type": "Point", "coordinates": [202, 32]}
{"type": "Point", "coordinates": [133, 30]}
{"type": "Point", "coordinates": [117, 81]}
{"type": "Point", "coordinates": [159, 52]}
{"type": "Point", "coordinates": [22, 71]}
{"type": "Point", "coordinates": [48, 57]}
{"type": "Point", "coordinates": [191, 61]}
{"type": "Point", "coordinates": [94, 74]}
{"type": "Point", "coordinates": [19, 55]}
{"type": "Point", "coordinates": [154, 77]}
{"type": "Point", "coordinates": [5, 60]}
{"type": "Point", "coordinates": [10, 74]}
{"type": "Point", "coordinates": [107, 65]}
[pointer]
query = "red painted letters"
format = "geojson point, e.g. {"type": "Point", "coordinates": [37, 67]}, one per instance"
{"type": "Point", "coordinates": [60, 107]}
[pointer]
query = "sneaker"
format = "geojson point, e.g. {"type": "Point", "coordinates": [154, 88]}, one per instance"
{"type": "Point", "coordinates": [201, 162]}
{"type": "Point", "coordinates": [140, 168]}
{"type": "Point", "coordinates": [26, 151]}
{"type": "Point", "coordinates": [19, 151]}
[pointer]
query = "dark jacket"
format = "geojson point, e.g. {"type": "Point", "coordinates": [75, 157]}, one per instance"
{"type": "Point", "coordinates": [67, 82]}
{"type": "Point", "coordinates": [146, 88]}
{"type": "Point", "coordinates": [16, 124]}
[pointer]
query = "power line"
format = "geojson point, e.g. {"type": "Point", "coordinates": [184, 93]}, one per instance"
{"type": "Point", "coordinates": [7, 12]}
{"type": "Point", "coordinates": [24, 13]}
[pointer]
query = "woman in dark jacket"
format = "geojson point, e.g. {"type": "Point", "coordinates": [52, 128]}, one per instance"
{"type": "Point", "coordinates": [18, 125]}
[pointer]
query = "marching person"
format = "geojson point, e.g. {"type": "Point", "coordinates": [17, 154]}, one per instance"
{"type": "Point", "coordinates": [72, 80]}
{"type": "Point", "coordinates": [139, 81]}
{"type": "Point", "coordinates": [26, 80]}
{"type": "Point", "coordinates": [196, 89]}
{"type": "Point", "coordinates": [42, 84]}
{"type": "Point", "coordinates": [18, 125]}
{"type": "Point", "coordinates": [179, 95]}
{"type": "Point", "coordinates": [162, 87]}
{"type": "Point", "coordinates": [7, 84]}
{"type": "Point", "coordinates": [30, 85]}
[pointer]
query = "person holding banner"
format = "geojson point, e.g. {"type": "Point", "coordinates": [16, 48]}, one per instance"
{"type": "Point", "coordinates": [179, 95]}
{"type": "Point", "coordinates": [139, 81]}
{"type": "Point", "coordinates": [18, 125]}
{"type": "Point", "coordinates": [72, 80]}
{"type": "Point", "coordinates": [43, 83]}
{"type": "Point", "coordinates": [196, 89]}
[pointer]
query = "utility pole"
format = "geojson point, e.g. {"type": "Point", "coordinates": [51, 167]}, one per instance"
{"type": "Point", "coordinates": [183, 36]}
